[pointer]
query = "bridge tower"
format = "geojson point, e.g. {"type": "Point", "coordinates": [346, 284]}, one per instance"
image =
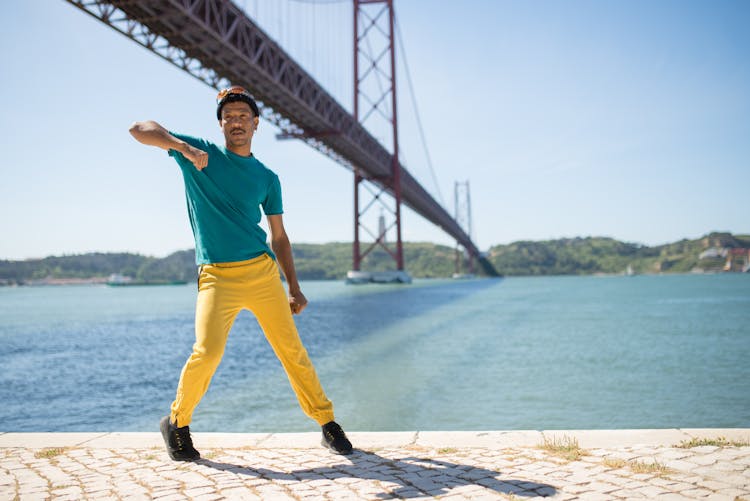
{"type": "Point", "coordinates": [462, 199]}
{"type": "Point", "coordinates": [375, 98]}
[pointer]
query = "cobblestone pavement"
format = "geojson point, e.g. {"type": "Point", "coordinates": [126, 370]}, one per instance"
{"type": "Point", "coordinates": [273, 469]}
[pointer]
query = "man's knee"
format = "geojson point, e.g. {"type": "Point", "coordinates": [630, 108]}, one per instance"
{"type": "Point", "coordinates": [208, 355]}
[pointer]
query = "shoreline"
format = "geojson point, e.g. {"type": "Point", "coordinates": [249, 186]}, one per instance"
{"type": "Point", "coordinates": [591, 438]}
{"type": "Point", "coordinates": [98, 281]}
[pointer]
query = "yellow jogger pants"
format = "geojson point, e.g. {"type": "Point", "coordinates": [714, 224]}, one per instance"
{"type": "Point", "coordinates": [225, 289]}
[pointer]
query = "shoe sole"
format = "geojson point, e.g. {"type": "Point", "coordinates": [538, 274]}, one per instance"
{"type": "Point", "coordinates": [328, 446]}
{"type": "Point", "coordinates": [164, 427]}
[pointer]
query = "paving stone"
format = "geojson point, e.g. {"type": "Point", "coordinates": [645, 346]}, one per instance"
{"type": "Point", "coordinates": [680, 465]}
{"type": "Point", "coordinates": [662, 482]}
{"type": "Point", "coordinates": [593, 496]}
{"type": "Point", "coordinates": [577, 478]}
{"type": "Point", "coordinates": [609, 477]}
{"type": "Point", "coordinates": [703, 449]}
{"type": "Point", "coordinates": [679, 486]}
{"type": "Point", "coordinates": [198, 491]}
{"type": "Point", "coordinates": [721, 497]}
{"type": "Point", "coordinates": [740, 493]}
{"type": "Point", "coordinates": [77, 496]}
{"type": "Point", "coordinates": [674, 453]}
{"type": "Point", "coordinates": [627, 494]}
{"type": "Point", "coordinates": [617, 480]}
{"type": "Point", "coordinates": [97, 487]}
{"type": "Point", "coordinates": [562, 496]}
{"type": "Point", "coordinates": [688, 478]}
{"type": "Point", "coordinates": [169, 495]}
{"type": "Point", "coordinates": [730, 467]}
{"type": "Point", "coordinates": [33, 496]}
{"type": "Point", "coordinates": [733, 480]}
{"type": "Point", "coordinates": [578, 488]}
{"type": "Point", "coordinates": [651, 491]}
{"type": "Point", "coordinates": [214, 497]}
{"type": "Point", "coordinates": [713, 485]}
{"type": "Point", "coordinates": [707, 460]}
{"type": "Point", "coordinates": [602, 487]}
{"type": "Point", "coordinates": [642, 476]}
{"type": "Point", "coordinates": [697, 492]}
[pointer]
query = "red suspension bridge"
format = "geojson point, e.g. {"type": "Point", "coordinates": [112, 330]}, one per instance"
{"type": "Point", "coordinates": [216, 42]}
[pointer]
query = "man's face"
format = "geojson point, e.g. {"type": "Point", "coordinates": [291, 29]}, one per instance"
{"type": "Point", "coordinates": [238, 123]}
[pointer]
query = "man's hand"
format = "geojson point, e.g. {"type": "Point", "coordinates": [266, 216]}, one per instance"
{"type": "Point", "coordinates": [297, 302]}
{"type": "Point", "coordinates": [199, 158]}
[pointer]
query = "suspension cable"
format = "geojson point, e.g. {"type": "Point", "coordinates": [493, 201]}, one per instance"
{"type": "Point", "coordinates": [416, 111]}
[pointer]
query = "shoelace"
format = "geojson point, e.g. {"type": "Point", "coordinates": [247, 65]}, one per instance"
{"type": "Point", "coordinates": [334, 432]}
{"type": "Point", "coordinates": [183, 439]}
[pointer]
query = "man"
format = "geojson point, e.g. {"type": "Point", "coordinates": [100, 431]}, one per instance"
{"type": "Point", "coordinates": [225, 187]}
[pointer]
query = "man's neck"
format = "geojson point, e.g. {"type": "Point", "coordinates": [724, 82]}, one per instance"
{"type": "Point", "coordinates": [243, 151]}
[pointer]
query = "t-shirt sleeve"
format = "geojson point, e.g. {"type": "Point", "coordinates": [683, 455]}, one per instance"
{"type": "Point", "coordinates": [195, 142]}
{"type": "Point", "coordinates": [272, 204]}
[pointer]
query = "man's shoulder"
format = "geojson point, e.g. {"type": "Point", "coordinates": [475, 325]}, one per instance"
{"type": "Point", "coordinates": [264, 168]}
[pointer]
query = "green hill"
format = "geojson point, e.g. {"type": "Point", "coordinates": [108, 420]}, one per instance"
{"type": "Point", "coordinates": [331, 261]}
{"type": "Point", "coordinates": [582, 256]}
{"type": "Point", "coordinates": [177, 266]}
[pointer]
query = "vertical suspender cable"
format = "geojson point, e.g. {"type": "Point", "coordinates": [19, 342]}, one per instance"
{"type": "Point", "coordinates": [416, 113]}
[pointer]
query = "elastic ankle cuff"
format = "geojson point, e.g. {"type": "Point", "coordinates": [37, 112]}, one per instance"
{"type": "Point", "coordinates": [323, 420]}
{"type": "Point", "coordinates": [183, 421]}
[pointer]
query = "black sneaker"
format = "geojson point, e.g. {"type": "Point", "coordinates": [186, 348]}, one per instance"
{"type": "Point", "coordinates": [178, 441]}
{"type": "Point", "coordinates": [335, 439]}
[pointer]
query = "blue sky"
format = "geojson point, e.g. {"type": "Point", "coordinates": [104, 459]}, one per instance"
{"type": "Point", "coordinates": [626, 119]}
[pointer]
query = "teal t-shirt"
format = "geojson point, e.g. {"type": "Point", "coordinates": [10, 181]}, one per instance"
{"type": "Point", "coordinates": [224, 200]}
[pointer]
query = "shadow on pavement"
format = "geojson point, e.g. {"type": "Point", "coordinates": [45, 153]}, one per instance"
{"type": "Point", "coordinates": [412, 476]}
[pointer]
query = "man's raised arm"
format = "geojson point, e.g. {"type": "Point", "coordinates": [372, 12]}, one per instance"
{"type": "Point", "coordinates": [153, 134]}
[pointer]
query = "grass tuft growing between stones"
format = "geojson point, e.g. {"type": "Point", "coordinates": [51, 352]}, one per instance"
{"type": "Point", "coordinates": [717, 442]}
{"type": "Point", "coordinates": [565, 447]}
{"type": "Point", "coordinates": [49, 452]}
{"type": "Point", "coordinates": [614, 463]}
{"type": "Point", "coordinates": [655, 468]}
{"type": "Point", "coordinates": [447, 450]}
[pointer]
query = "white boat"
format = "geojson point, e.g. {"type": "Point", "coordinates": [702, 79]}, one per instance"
{"type": "Point", "coordinates": [378, 277]}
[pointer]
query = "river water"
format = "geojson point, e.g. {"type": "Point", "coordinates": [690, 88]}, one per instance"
{"type": "Point", "coordinates": [517, 353]}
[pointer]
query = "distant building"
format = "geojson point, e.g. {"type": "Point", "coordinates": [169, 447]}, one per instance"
{"type": "Point", "coordinates": [381, 227]}
{"type": "Point", "coordinates": [117, 279]}
{"type": "Point", "coordinates": [713, 252]}
{"type": "Point", "coordinates": [738, 259]}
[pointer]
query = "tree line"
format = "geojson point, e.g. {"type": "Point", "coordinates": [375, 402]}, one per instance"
{"type": "Point", "coordinates": [331, 261]}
